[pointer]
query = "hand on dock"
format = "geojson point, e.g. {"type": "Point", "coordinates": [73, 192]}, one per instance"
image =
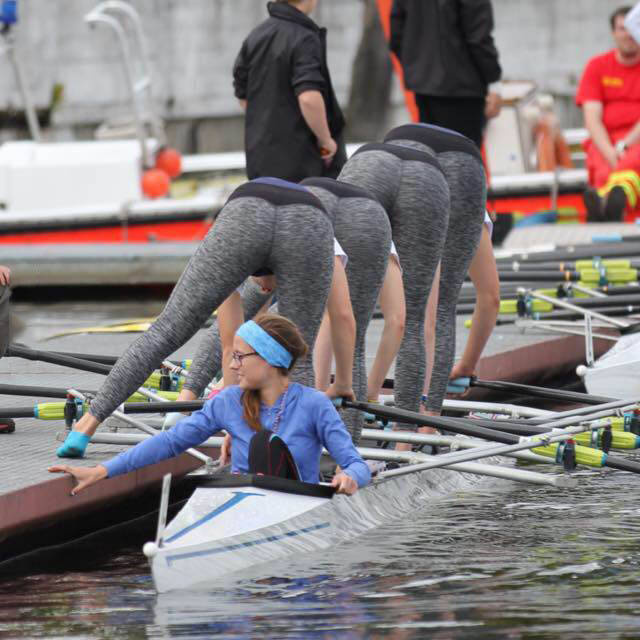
{"type": "Point", "coordinates": [84, 476]}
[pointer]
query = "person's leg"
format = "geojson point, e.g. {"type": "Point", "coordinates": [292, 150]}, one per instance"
{"type": "Point", "coordinates": [230, 317]}
{"type": "Point", "coordinates": [323, 354]}
{"type": "Point", "coordinates": [467, 184]}
{"type": "Point", "coordinates": [362, 228]}
{"type": "Point", "coordinates": [302, 260]}
{"type": "Point", "coordinates": [484, 275]}
{"type": "Point", "coordinates": [463, 115]}
{"type": "Point", "coordinates": [207, 360]}
{"type": "Point", "coordinates": [232, 250]}
{"type": "Point", "coordinates": [419, 222]}
{"type": "Point", "coordinates": [343, 330]}
{"type": "Point", "coordinates": [392, 305]}
{"type": "Point", "coordinates": [430, 329]}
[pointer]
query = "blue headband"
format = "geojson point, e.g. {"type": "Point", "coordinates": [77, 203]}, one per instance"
{"type": "Point", "coordinates": [268, 348]}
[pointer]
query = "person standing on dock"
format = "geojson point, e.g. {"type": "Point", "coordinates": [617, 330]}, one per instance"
{"type": "Point", "coordinates": [293, 123]}
{"type": "Point", "coordinates": [609, 94]}
{"type": "Point", "coordinates": [299, 253]}
{"type": "Point", "coordinates": [450, 61]}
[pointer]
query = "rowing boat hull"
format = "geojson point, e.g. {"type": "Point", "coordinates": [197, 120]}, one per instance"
{"type": "Point", "coordinates": [615, 374]}
{"type": "Point", "coordinates": [225, 530]}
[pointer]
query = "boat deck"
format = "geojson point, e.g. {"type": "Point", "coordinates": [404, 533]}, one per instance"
{"type": "Point", "coordinates": [30, 497]}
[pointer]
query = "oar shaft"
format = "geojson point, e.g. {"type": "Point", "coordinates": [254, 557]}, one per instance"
{"type": "Point", "coordinates": [573, 307]}
{"type": "Point", "coordinates": [539, 392]}
{"type": "Point", "coordinates": [162, 407]}
{"type": "Point", "coordinates": [38, 392]}
{"type": "Point", "coordinates": [18, 351]}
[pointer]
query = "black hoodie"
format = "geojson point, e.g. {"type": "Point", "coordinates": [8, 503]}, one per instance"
{"type": "Point", "coordinates": [282, 57]}
{"type": "Point", "coordinates": [445, 46]}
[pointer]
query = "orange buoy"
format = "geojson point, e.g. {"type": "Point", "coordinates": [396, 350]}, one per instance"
{"type": "Point", "coordinates": [170, 161]}
{"type": "Point", "coordinates": [155, 183]}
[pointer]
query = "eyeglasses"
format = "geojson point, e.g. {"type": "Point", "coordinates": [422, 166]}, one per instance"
{"type": "Point", "coordinates": [238, 357]}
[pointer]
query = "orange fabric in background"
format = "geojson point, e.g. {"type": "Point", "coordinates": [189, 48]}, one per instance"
{"type": "Point", "coordinates": [384, 10]}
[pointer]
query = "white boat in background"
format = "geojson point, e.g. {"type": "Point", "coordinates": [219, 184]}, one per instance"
{"type": "Point", "coordinates": [615, 374]}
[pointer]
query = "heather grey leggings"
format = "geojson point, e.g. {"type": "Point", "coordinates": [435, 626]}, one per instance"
{"type": "Point", "coordinates": [295, 241]}
{"type": "Point", "coordinates": [462, 166]}
{"type": "Point", "coordinates": [412, 189]}
{"type": "Point", "coordinates": [362, 228]}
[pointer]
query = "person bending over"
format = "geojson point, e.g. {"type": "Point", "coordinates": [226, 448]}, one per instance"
{"type": "Point", "coordinates": [265, 414]}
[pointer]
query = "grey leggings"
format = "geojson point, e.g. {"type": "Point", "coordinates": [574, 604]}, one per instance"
{"type": "Point", "coordinates": [462, 166]}
{"type": "Point", "coordinates": [411, 187]}
{"type": "Point", "coordinates": [294, 241]}
{"type": "Point", "coordinates": [362, 228]}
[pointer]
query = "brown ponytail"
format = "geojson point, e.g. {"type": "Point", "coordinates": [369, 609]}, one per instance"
{"type": "Point", "coordinates": [289, 336]}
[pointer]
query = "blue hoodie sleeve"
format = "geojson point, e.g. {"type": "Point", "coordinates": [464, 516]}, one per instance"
{"type": "Point", "coordinates": [189, 432]}
{"type": "Point", "coordinates": [337, 441]}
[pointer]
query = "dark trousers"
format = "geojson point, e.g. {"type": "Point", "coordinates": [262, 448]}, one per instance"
{"type": "Point", "coordinates": [270, 456]}
{"type": "Point", "coordinates": [464, 115]}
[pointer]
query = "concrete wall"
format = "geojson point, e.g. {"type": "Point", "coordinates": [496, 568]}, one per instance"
{"type": "Point", "coordinates": [194, 43]}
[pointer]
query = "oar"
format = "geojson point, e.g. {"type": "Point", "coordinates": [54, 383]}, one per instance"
{"type": "Point", "coordinates": [576, 252]}
{"type": "Point", "coordinates": [512, 444]}
{"type": "Point", "coordinates": [156, 380]}
{"type": "Point", "coordinates": [56, 410]}
{"type": "Point", "coordinates": [605, 438]}
{"type": "Point", "coordinates": [529, 390]}
{"type": "Point", "coordinates": [459, 385]}
{"type": "Point", "coordinates": [612, 312]}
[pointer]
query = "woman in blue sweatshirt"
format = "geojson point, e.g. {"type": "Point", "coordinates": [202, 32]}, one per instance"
{"type": "Point", "coordinates": [289, 417]}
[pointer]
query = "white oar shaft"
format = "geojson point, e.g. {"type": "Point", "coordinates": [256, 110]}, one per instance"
{"type": "Point", "coordinates": [494, 471]}
{"type": "Point", "coordinates": [582, 411]}
{"type": "Point", "coordinates": [495, 450]}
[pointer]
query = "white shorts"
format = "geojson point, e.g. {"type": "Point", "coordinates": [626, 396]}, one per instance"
{"type": "Point", "coordinates": [338, 252]}
{"type": "Point", "coordinates": [393, 254]}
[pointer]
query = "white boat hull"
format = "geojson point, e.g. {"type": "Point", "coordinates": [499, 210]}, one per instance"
{"type": "Point", "coordinates": [615, 374]}
{"type": "Point", "coordinates": [224, 530]}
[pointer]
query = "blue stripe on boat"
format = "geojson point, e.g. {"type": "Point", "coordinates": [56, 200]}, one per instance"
{"type": "Point", "coordinates": [244, 545]}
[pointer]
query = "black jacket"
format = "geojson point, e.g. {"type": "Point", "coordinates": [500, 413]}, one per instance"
{"type": "Point", "coordinates": [282, 57]}
{"type": "Point", "coordinates": [445, 46]}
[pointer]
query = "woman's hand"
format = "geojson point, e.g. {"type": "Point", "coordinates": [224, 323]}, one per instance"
{"type": "Point", "coordinates": [84, 476]}
{"type": "Point", "coordinates": [225, 450]}
{"type": "Point", "coordinates": [5, 275]}
{"type": "Point", "coordinates": [341, 391]}
{"type": "Point", "coordinates": [328, 150]}
{"type": "Point", "coordinates": [344, 483]}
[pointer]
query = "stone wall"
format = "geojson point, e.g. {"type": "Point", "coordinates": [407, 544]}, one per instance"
{"type": "Point", "coordinates": [193, 44]}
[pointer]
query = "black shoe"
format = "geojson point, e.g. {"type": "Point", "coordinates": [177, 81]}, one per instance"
{"type": "Point", "coordinates": [593, 204]}
{"type": "Point", "coordinates": [615, 205]}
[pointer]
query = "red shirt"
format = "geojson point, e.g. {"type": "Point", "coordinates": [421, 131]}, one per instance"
{"type": "Point", "coordinates": [617, 87]}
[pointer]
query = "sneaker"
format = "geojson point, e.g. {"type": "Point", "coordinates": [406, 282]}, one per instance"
{"type": "Point", "coordinates": [593, 204]}
{"type": "Point", "coordinates": [615, 205]}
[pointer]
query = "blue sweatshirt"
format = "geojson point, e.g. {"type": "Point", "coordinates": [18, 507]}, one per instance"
{"type": "Point", "coordinates": [309, 422]}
